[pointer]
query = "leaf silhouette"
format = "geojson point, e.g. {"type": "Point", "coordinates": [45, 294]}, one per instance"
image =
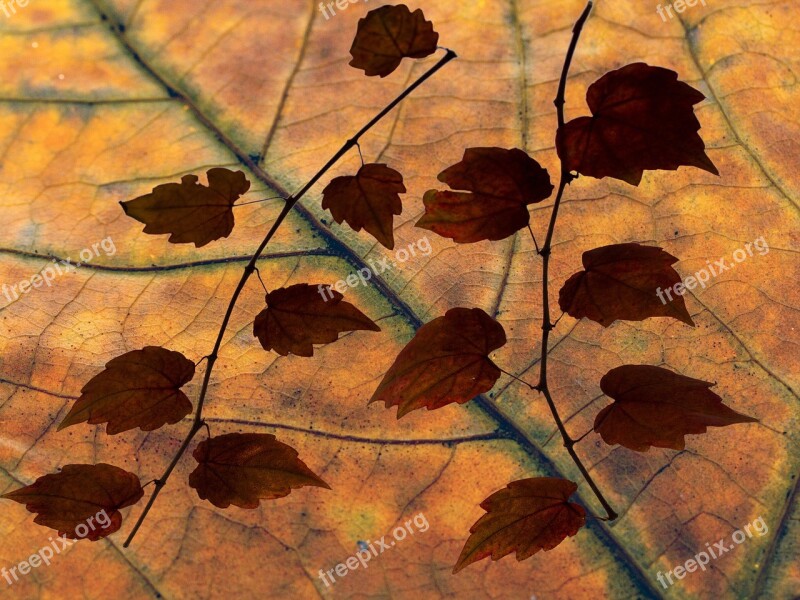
{"type": "Point", "coordinates": [140, 389]}
{"type": "Point", "coordinates": [369, 200]}
{"type": "Point", "coordinates": [622, 282]}
{"type": "Point", "coordinates": [67, 500]}
{"type": "Point", "coordinates": [189, 211]}
{"type": "Point", "coordinates": [642, 119]}
{"type": "Point", "coordinates": [244, 468]}
{"type": "Point", "coordinates": [657, 407]}
{"type": "Point", "coordinates": [56, 338]}
{"type": "Point", "coordinates": [447, 361]}
{"type": "Point", "coordinates": [527, 516]}
{"type": "Point", "coordinates": [302, 315]}
{"type": "Point", "coordinates": [503, 183]}
{"type": "Point", "coordinates": [389, 34]}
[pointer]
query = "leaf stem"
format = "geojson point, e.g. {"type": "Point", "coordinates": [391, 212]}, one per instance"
{"type": "Point", "coordinates": [251, 268]}
{"type": "Point", "coordinates": [546, 251]}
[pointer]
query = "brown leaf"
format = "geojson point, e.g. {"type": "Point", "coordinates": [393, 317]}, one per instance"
{"type": "Point", "coordinates": [503, 182]}
{"type": "Point", "coordinates": [243, 468]}
{"type": "Point", "coordinates": [191, 212]}
{"type": "Point", "coordinates": [447, 361]}
{"type": "Point", "coordinates": [389, 34]}
{"type": "Point", "coordinates": [302, 315]}
{"type": "Point", "coordinates": [138, 389]}
{"type": "Point", "coordinates": [656, 407]}
{"type": "Point", "coordinates": [527, 516]}
{"type": "Point", "coordinates": [77, 496]}
{"type": "Point", "coordinates": [367, 201]}
{"type": "Point", "coordinates": [643, 118]}
{"type": "Point", "coordinates": [622, 282]}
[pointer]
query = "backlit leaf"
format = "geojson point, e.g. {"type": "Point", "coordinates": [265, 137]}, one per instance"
{"type": "Point", "coordinates": [140, 389]}
{"type": "Point", "coordinates": [642, 118]}
{"type": "Point", "coordinates": [389, 34]}
{"type": "Point", "coordinates": [657, 407]}
{"type": "Point", "coordinates": [302, 315]}
{"type": "Point", "coordinates": [190, 211]}
{"type": "Point", "coordinates": [447, 361]}
{"type": "Point", "coordinates": [502, 184]}
{"type": "Point", "coordinates": [244, 468]}
{"type": "Point", "coordinates": [622, 282]}
{"type": "Point", "coordinates": [369, 200]}
{"type": "Point", "coordinates": [527, 516]}
{"type": "Point", "coordinates": [70, 501]}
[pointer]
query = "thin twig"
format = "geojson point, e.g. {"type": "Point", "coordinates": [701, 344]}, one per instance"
{"type": "Point", "coordinates": [547, 326]}
{"type": "Point", "coordinates": [533, 236]}
{"type": "Point", "coordinates": [250, 269]}
{"type": "Point", "coordinates": [530, 385]}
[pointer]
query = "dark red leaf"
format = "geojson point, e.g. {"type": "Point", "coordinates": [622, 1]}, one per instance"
{"type": "Point", "coordinates": [389, 34]}
{"type": "Point", "coordinates": [527, 516]}
{"type": "Point", "coordinates": [447, 361]}
{"type": "Point", "coordinates": [191, 212]}
{"type": "Point", "coordinates": [656, 407]}
{"type": "Point", "coordinates": [624, 282]}
{"type": "Point", "coordinates": [302, 315]}
{"type": "Point", "coordinates": [138, 389]}
{"type": "Point", "coordinates": [82, 501]}
{"type": "Point", "coordinates": [244, 468]}
{"type": "Point", "coordinates": [370, 200]}
{"type": "Point", "coordinates": [503, 183]}
{"type": "Point", "coordinates": [643, 119]}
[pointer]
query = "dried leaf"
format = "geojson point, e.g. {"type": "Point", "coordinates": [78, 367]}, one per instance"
{"type": "Point", "coordinates": [369, 200]}
{"type": "Point", "coordinates": [622, 282]}
{"type": "Point", "coordinates": [140, 389]}
{"type": "Point", "coordinates": [191, 212]}
{"type": "Point", "coordinates": [503, 183]}
{"type": "Point", "coordinates": [389, 34]}
{"type": "Point", "coordinates": [527, 516]}
{"type": "Point", "coordinates": [67, 500]}
{"type": "Point", "coordinates": [243, 468]}
{"type": "Point", "coordinates": [302, 315]}
{"type": "Point", "coordinates": [447, 361]}
{"type": "Point", "coordinates": [656, 407]}
{"type": "Point", "coordinates": [643, 118]}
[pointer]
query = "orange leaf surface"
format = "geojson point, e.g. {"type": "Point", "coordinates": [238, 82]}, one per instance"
{"type": "Point", "coordinates": [369, 200]}
{"type": "Point", "coordinates": [140, 389]}
{"type": "Point", "coordinates": [80, 498]}
{"type": "Point", "coordinates": [503, 183]}
{"type": "Point", "coordinates": [241, 469]}
{"type": "Point", "coordinates": [622, 282]}
{"type": "Point", "coordinates": [656, 407]}
{"type": "Point", "coordinates": [156, 90]}
{"type": "Point", "coordinates": [191, 212]}
{"type": "Point", "coordinates": [302, 315]}
{"type": "Point", "coordinates": [389, 34]}
{"type": "Point", "coordinates": [527, 516]}
{"type": "Point", "coordinates": [447, 361]}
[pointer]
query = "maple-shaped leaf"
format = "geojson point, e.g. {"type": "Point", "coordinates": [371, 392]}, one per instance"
{"type": "Point", "coordinates": [243, 468]}
{"type": "Point", "coordinates": [370, 200]}
{"type": "Point", "coordinates": [643, 119]}
{"type": "Point", "coordinates": [389, 34]}
{"type": "Point", "coordinates": [624, 282]}
{"type": "Point", "coordinates": [191, 212]}
{"type": "Point", "coordinates": [140, 389]}
{"type": "Point", "coordinates": [82, 501]}
{"type": "Point", "coordinates": [302, 315]}
{"type": "Point", "coordinates": [502, 184]}
{"type": "Point", "coordinates": [447, 361]}
{"type": "Point", "coordinates": [527, 516]}
{"type": "Point", "coordinates": [657, 407]}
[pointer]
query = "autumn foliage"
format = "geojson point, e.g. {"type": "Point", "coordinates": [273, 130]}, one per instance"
{"type": "Point", "coordinates": [642, 118]}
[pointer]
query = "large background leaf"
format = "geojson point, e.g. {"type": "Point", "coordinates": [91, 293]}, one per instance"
{"type": "Point", "coordinates": [95, 111]}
